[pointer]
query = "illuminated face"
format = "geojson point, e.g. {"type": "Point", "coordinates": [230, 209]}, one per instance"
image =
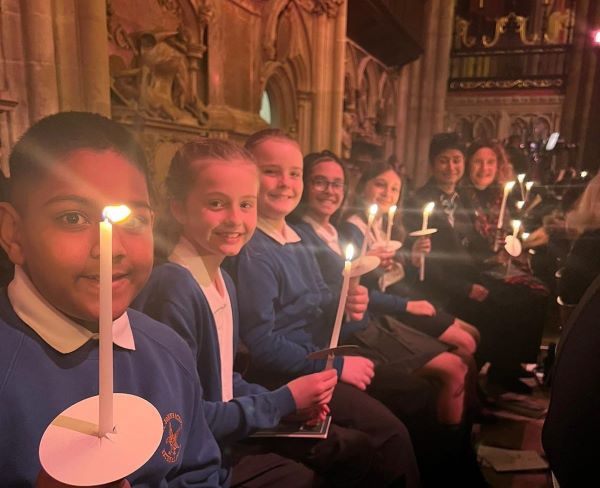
{"type": "Point", "coordinates": [384, 190]}
{"type": "Point", "coordinates": [219, 213]}
{"type": "Point", "coordinates": [280, 166]}
{"type": "Point", "coordinates": [483, 167]}
{"type": "Point", "coordinates": [326, 188]}
{"type": "Point", "coordinates": [448, 167]}
{"type": "Point", "coordinates": [58, 233]}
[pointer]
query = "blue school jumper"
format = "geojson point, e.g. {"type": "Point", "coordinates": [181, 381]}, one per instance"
{"type": "Point", "coordinates": [37, 383]}
{"type": "Point", "coordinates": [287, 310]}
{"type": "Point", "coordinates": [173, 296]}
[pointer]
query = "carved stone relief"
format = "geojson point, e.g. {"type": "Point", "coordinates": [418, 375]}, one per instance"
{"type": "Point", "coordinates": [156, 61]}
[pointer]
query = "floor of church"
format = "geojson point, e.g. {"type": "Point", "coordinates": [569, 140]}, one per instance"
{"type": "Point", "coordinates": [516, 431]}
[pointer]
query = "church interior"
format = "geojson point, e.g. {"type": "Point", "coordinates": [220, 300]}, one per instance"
{"type": "Point", "coordinates": [486, 109]}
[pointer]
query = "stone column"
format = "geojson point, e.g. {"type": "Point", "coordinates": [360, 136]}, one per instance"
{"type": "Point", "coordinates": [93, 41]}
{"type": "Point", "coordinates": [40, 69]}
{"type": "Point", "coordinates": [338, 68]}
{"type": "Point", "coordinates": [67, 55]}
{"type": "Point", "coordinates": [321, 88]}
{"type": "Point", "coordinates": [427, 102]}
{"type": "Point", "coordinates": [402, 90]}
{"type": "Point", "coordinates": [444, 44]}
{"type": "Point", "coordinates": [412, 117]}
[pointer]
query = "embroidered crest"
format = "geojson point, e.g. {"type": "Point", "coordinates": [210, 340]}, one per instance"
{"type": "Point", "coordinates": [172, 429]}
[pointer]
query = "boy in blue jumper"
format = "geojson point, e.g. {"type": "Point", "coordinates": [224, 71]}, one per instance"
{"type": "Point", "coordinates": [212, 187]}
{"type": "Point", "coordinates": [64, 171]}
{"type": "Point", "coordinates": [288, 311]}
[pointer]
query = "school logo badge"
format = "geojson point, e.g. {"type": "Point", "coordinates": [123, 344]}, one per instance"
{"type": "Point", "coordinates": [172, 429]}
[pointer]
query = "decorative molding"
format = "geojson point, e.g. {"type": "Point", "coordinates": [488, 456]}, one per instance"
{"type": "Point", "coordinates": [519, 84]}
{"type": "Point", "coordinates": [249, 6]}
{"type": "Point", "coordinates": [461, 27]}
{"type": "Point", "coordinates": [453, 101]}
{"type": "Point", "coordinates": [171, 6]}
{"type": "Point", "coordinates": [501, 26]}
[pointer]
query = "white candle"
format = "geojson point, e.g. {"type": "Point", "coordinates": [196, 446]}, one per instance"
{"type": "Point", "coordinates": [426, 212]}
{"type": "Point", "coordinates": [507, 188]}
{"type": "Point", "coordinates": [372, 213]}
{"type": "Point", "coordinates": [427, 209]}
{"type": "Point", "coordinates": [390, 223]}
{"type": "Point", "coordinates": [337, 325]}
{"type": "Point", "coordinates": [521, 178]}
{"type": "Point", "coordinates": [528, 187]}
{"type": "Point", "coordinates": [110, 215]}
{"type": "Point", "coordinates": [516, 225]}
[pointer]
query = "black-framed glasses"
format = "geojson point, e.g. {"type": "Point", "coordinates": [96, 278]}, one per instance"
{"type": "Point", "coordinates": [322, 184]}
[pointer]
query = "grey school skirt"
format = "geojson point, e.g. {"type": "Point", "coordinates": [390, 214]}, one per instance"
{"type": "Point", "coordinates": [390, 342]}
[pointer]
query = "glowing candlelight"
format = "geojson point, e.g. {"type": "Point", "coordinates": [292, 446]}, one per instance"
{"type": "Point", "coordinates": [427, 209]}
{"type": "Point", "coordinates": [372, 213]}
{"type": "Point", "coordinates": [507, 189]}
{"type": "Point", "coordinates": [110, 215]}
{"type": "Point", "coordinates": [390, 223]}
{"type": "Point", "coordinates": [528, 187]}
{"type": "Point", "coordinates": [516, 225]}
{"type": "Point", "coordinates": [525, 235]}
{"type": "Point", "coordinates": [583, 174]}
{"type": "Point", "coordinates": [337, 326]}
{"type": "Point", "coordinates": [520, 204]}
{"type": "Point", "coordinates": [521, 178]}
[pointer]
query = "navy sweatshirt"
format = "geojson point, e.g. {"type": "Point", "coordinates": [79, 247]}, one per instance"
{"type": "Point", "coordinates": [37, 383]}
{"type": "Point", "coordinates": [286, 309]}
{"type": "Point", "coordinates": [173, 296]}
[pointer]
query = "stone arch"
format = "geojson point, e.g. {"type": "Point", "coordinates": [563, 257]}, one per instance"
{"type": "Point", "coordinates": [280, 85]}
{"type": "Point", "coordinates": [484, 128]}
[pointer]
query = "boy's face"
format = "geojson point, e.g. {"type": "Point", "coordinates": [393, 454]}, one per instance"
{"type": "Point", "coordinates": [56, 235]}
{"type": "Point", "coordinates": [384, 190]}
{"type": "Point", "coordinates": [219, 214]}
{"type": "Point", "coordinates": [280, 166]}
{"type": "Point", "coordinates": [448, 167]}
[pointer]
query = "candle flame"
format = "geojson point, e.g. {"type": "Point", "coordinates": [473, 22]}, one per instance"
{"type": "Point", "coordinates": [373, 209]}
{"type": "Point", "coordinates": [525, 235]}
{"type": "Point", "coordinates": [515, 225]}
{"type": "Point", "coordinates": [521, 177]}
{"type": "Point", "coordinates": [429, 207]}
{"type": "Point", "coordinates": [529, 185]}
{"type": "Point", "coordinates": [349, 252]}
{"type": "Point", "coordinates": [509, 186]}
{"type": "Point", "coordinates": [116, 213]}
{"type": "Point", "coordinates": [520, 204]}
{"type": "Point", "coordinates": [583, 174]}
{"type": "Point", "coordinates": [392, 210]}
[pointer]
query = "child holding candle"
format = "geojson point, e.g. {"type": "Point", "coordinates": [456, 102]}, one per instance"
{"type": "Point", "coordinates": [212, 188]}
{"type": "Point", "coordinates": [381, 184]}
{"type": "Point", "coordinates": [289, 311]}
{"type": "Point", "coordinates": [64, 171]}
{"type": "Point", "coordinates": [394, 383]}
{"type": "Point", "coordinates": [506, 315]}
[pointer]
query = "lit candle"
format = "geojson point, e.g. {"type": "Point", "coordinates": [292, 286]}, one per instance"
{"type": "Point", "coordinates": [583, 174]}
{"type": "Point", "coordinates": [525, 235]}
{"type": "Point", "coordinates": [528, 187]}
{"type": "Point", "coordinates": [110, 215]}
{"type": "Point", "coordinates": [507, 188]}
{"type": "Point", "coordinates": [337, 325]}
{"type": "Point", "coordinates": [391, 213]}
{"type": "Point", "coordinates": [427, 209]}
{"type": "Point", "coordinates": [372, 213]}
{"type": "Point", "coordinates": [516, 225]}
{"type": "Point", "coordinates": [520, 204]}
{"type": "Point", "coordinates": [521, 178]}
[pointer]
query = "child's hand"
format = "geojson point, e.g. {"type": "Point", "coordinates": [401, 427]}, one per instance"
{"type": "Point", "coordinates": [357, 302]}
{"type": "Point", "coordinates": [386, 257]}
{"type": "Point", "coordinates": [313, 389]}
{"type": "Point", "coordinates": [358, 371]}
{"type": "Point", "coordinates": [478, 293]}
{"type": "Point", "coordinates": [421, 246]}
{"type": "Point", "coordinates": [421, 307]}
